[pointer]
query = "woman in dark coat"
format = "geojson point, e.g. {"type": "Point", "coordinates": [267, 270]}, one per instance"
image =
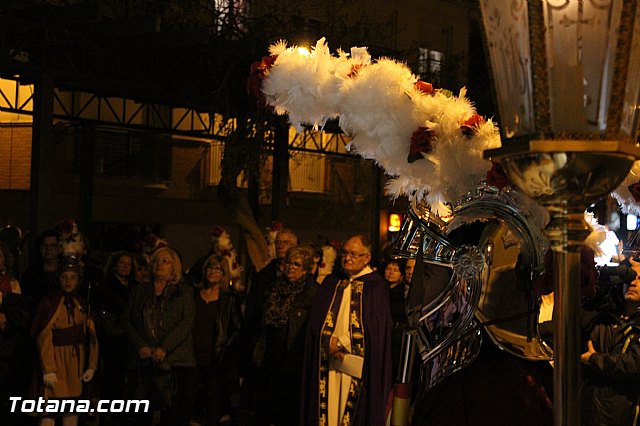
{"type": "Point", "coordinates": [215, 336]}
{"type": "Point", "coordinates": [158, 321]}
{"type": "Point", "coordinates": [286, 312]}
{"type": "Point", "coordinates": [113, 293]}
{"type": "Point", "coordinates": [394, 277]}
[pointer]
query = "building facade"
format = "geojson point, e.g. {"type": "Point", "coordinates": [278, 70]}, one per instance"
{"type": "Point", "coordinates": [124, 158]}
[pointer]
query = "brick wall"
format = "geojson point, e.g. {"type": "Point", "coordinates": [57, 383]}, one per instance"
{"type": "Point", "coordinates": [15, 157]}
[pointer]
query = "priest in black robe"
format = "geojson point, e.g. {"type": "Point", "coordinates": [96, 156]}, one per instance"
{"type": "Point", "coordinates": [350, 323]}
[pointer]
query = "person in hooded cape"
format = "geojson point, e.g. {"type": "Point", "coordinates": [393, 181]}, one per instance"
{"type": "Point", "coordinates": [350, 318]}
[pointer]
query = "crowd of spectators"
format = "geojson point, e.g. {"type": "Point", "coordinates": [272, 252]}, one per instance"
{"type": "Point", "coordinates": [200, 347]}
{"type": "Point", "coordinates": [206, 349]}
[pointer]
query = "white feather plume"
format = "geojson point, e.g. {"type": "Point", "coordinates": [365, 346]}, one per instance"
{"type": "Point", "coordinates": [597, 236]}
{"type": "Point", "coordinates": [380, 108]}
{"type": "Point", "coordinates": [329, 256]}
{"type": "Point", "coordinates": [376, 111]}
{"type": "Point", "coordinates": [223, 246]}
{"type": "Point", "coordinates": [304, 84]}
{"type": "Point", "coordinates": [622, 194]}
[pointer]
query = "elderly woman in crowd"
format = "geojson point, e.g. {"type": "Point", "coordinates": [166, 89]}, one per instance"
{"type": "Point", "coordinates": [64, 335]}
{"type": "Point", "coordinates": [286, 312]}
{"type": "Point", "coordinates": [158, 320]}
{"type": "Point", "coordinates": [215, 337]}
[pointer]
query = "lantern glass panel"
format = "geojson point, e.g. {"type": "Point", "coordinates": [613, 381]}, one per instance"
{"type": "Point", "coordinates": [628, 123]}
{"type": "Point", "coordinates": [559, 67]}
{"type": "Point", "coordinates": [581, 38]}
{"type": "Point", "coordinates": [507, 38]}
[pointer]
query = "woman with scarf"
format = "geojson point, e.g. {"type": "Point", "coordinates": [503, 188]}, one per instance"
{"type": "Point", "coordinates": [66, 340]}
{"type": "Point", "coordinates": [158, 321]}
{"type": "Point", "coordinates": [215, 336]}
{"type": "Point", "coordinates": [286, 312]}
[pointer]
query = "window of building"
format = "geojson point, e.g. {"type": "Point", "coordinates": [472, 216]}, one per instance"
{"type": "Point", "coordinates": [229, 15]}
{"type": "Point", "coordinates": [16, 101]}
{"type": "Point", "coordinates": [132, 155]}
{"type": "Point", "coordinates": [306, 170]}
{"type": "Point", "coordinates": [430, 65]}
{"type": "Point", "coordinates": [15, 156]}
{"type": "Point", "coordinates": [216, 152]}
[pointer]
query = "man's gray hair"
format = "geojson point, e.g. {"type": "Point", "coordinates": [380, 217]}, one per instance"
{"type": "Point", "coordinates": [364, 239]}
{"type": "Point", "coordinates": [287, 231]}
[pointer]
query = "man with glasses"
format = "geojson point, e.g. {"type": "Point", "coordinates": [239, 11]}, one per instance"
{"type": "Point", "coordinates": [347, 377]}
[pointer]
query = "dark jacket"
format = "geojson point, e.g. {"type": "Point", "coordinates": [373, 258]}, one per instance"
{"type": "Point", "coordinates": [400, 323]}
{"type": "Point", "coordinates": [36, 283]}
{"type": "Point", "coordinates": [112, 295]}
{"type": "Point", "coordinates": [285, 345]}
{"type": "Point", "coordinates": [174, 334]}
{"type": "Point", "coordinates": [496, 388]}
{"type": "Point", "coordinates": [16, 348]}
{"type": "Point", "coordinates": [109, 304]}
{"type": "Point", "coordinates": [300, 314]}
{"type": "Point", "coordinates": [256, 297]}
{"type": "Point", "coordinates": [612, 379]}
{"type": "Point", "coordinates": [284, 354]}
{"type": "Point", "coordinates": [228, 327]}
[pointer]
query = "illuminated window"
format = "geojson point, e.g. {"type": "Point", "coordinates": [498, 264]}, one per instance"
{"type": "Point", "coordinates": [229, 15]}
{"type": "Point", "coordinates": [430, 63]}
{"type": "Point", "coordinates": [16, 101]}
{"type": "Point", "coordinates": [307, 172]}
{"type": "Point", "coordinates": [216, 151]}
{"type": "Point", "coordinates": [15, 155]}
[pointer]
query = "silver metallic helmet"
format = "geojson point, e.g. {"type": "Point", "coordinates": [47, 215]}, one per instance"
{"type": "Point", "coordinates": [478, 270]}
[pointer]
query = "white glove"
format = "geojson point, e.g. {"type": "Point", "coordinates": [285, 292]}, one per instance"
{"type": "Point", "coordinates": [88, 375]}
{"type": "Point", "coordinates": [50, 379]}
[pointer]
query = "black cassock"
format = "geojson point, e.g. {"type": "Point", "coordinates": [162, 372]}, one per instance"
{"type": "Point", "coordinates": [377, 378]}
